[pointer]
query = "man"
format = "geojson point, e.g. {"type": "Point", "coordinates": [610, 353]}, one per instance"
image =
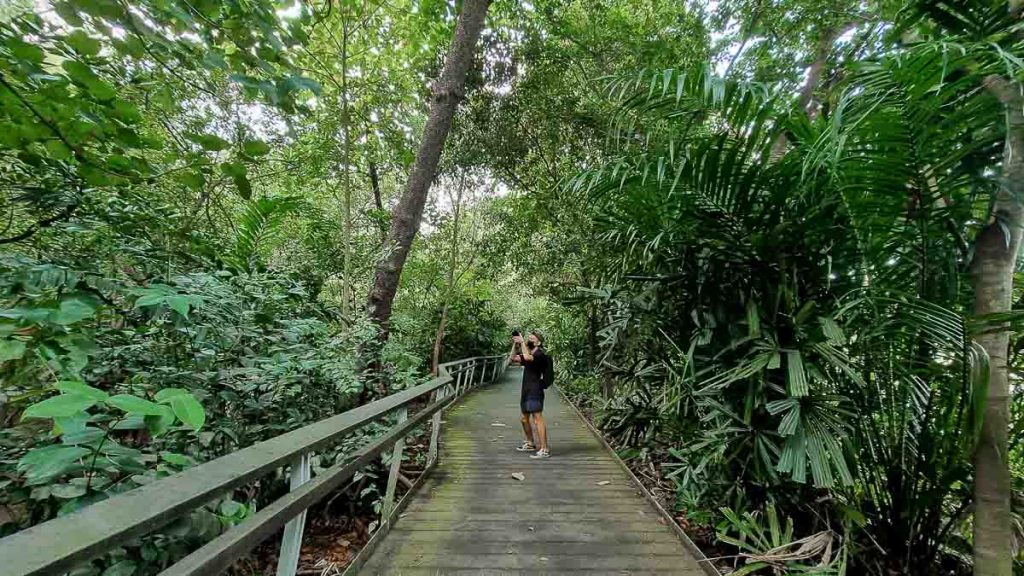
{"type": "Point", "coordinates": [535, 361]}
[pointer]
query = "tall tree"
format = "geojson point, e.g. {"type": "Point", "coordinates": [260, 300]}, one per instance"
{"type": "Point", "coordinates": [446, 93]}
{"type": "Point", "coordinates": [995, 258]}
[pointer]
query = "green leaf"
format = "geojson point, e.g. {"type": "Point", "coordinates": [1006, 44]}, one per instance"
{"type": "Point", "coordinates": [84, 436]}
{"type": "Point", "coordinates": [210, 142]}
{"type": "Point", "coordinates": [81, 42]}
{"type": "Point", "coordinates": [255, 148]}
{"type": "Point", "coordinates": [135, 405]}
{"type": "Point", "coordinates": [189, 410]}
{"type": "Point", "coordinates": [83, 75]}
{"type": "Point", "coordinates": [70, 424]}
{"type": "Point", "coordinates": [150, 300]}
{"type": "Point", "coordinates": [23, 50]}
{"type": "Point", "coordinates": [244, 187]}
{"type": "Point", "coordinates": [73, 310]}
{"type": "Point", "coordinates": [164, 396]}
{"type": "Point", "coordinates": [233, 169]}
{"type": "Point", "coordinates": [179, 304]}
{"type": "Point", "coordinates": [178, 460]}
{"type": "Point", "coordinates": [44, 464]}
{"type": "Point", "coordinates": [122, 568]}
{"type": "Point", "coordinates": [297, 83]}
{"type": "Point", "coordinates": [75, 387]}
{"type": "Point", "coordinates": [59, 406]}
{"type": "Point", "coordinates": [797, 377]}
{"type": "Point", "coordinates": [158, 425]}
{"type": "Point", "coordinates": [11, 350]}
{"type": "Point", "coordinates": [67, 491]}
{"type": "Point", "coordinates": [194, 179]}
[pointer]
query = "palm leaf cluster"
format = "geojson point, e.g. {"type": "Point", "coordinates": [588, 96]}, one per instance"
{"type": "Point", "coordinates": [786, 299]}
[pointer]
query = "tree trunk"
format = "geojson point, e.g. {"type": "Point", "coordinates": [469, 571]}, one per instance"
{"type": "Point", "coordinates": [438, 339]}
{"type": "Point", "coordinates": [377, 201]}
{"type": "Point", "coordinates": [995, 257]}
{"type": "Point", "coordinates": [405, 219]}
{"type": "Point", "coordinates": [346, 276]}
{"type": "Point", "coordinates": [805, 100]}
{"type": "Point", "coordinates": [449, 286]}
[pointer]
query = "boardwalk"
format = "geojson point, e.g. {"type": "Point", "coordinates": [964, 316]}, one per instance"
{"type": "Point", "coordinates": [575, 513]}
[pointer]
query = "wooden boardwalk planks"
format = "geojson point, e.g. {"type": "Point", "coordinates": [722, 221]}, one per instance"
{"type": "Point", "coordinates": [473, 517]}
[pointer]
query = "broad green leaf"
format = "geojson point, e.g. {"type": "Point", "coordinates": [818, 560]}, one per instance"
{"type": "Point", "coordinates": [150, 300]}
{"type": "Point", "coordinates": [210, 142]}
{"type": "Point", "coordinates": [135, 405]}
{"type": "Point", "coordinates": [165, 395]}
{"type": "Point", "coordinates": [179, 304]}
{"type": "Point", "coordinates": [59, 406]}
{"type": "Point", "coordinates": [70, 424]}
{"type": "Point", "coordinates": [158, 425]}
{"type": "Point", "coordinates": [83, 75]}
{"type": "Point", "coordinates": [189, 410]}
{"type": "Point", "coordinates": [75, 387]}
{"type": "Point", "coordinates": [244, 186]}
{"type": "Point", "coordinates": [176, 459]}
{"type": "Point", "coordinates": [84, 436]}
{"type": "Point", "coordinates": [296, 83]}
{"type": "Point", "coordinates": [233, 168]}
{"type": "Point", "coordinates": [81, 42]}
{"type": "Point", "coordinates": [67, 491]}
{"type": "Point", "coordinates": [44, 464]}
{"type": "Point", "coordinates": [122, 568]}
{"type": "Point", "coordinates": [11, 350]}
{"type": "Point", "coordinates": [255, 148]}
{"type": "Point", "coordinates": [73, 310]}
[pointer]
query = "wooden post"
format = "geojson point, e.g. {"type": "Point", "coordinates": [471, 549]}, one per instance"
{"type": "Point", "coordinates": [291, 541]}
{"type": "Point", "coordinates": [435, 427]}
{"type": "Point", "coordinates": [396, 463]}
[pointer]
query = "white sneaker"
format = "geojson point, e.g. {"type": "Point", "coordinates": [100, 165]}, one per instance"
{"type": "Point", "coordinates": [526, 447]}
{"type": "Point", "coordinates": [541, 454]}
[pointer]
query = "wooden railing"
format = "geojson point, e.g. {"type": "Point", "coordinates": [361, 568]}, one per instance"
{"type": "Point", "coordinates": [59, 545]}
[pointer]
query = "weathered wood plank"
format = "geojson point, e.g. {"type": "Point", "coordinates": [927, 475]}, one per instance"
{"type": "Point", "coordinates": [473, 517]}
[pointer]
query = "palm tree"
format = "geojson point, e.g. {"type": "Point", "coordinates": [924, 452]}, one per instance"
{"type": "Point", "coordinates": [806, 316]}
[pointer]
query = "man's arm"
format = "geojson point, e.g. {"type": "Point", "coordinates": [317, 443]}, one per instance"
{"type": "Point", "coordinates": [527, 355]}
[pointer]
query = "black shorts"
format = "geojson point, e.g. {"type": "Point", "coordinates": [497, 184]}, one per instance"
{"type": "Point", "coordinates": [532, 405]}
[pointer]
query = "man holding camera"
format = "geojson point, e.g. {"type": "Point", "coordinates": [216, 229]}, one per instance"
{"type": "Point", "coordinates": [536, 377]}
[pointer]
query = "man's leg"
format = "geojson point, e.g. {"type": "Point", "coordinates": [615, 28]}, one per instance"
{"type": "Point", "coordinates": [542, 430]}
{"type": "Point", "coordinates": [527, 430]}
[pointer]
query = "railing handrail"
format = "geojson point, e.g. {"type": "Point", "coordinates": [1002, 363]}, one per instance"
{"type": "Point", "coordinates": [62, 543]}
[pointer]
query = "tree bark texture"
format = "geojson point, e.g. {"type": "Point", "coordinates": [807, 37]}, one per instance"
{"type": "Point", "coordinates": [995, 257]}
{"type": "Point", "coordinates": [447, 91]}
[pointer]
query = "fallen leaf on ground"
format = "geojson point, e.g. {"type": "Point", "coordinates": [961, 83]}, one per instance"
{"type": "Point", "coordinates": [604, 482]}
{"type": "Point", "coordinates": [519, 476]}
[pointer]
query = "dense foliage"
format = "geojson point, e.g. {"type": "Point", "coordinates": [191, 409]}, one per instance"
{"type": "Point", "coordinates": [761, 239]}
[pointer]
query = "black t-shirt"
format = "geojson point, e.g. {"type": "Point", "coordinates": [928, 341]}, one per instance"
{"type": "Point", "coordinates": [533, 374]}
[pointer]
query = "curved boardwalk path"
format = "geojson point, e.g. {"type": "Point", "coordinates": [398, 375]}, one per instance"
{"type": "Point", "coordinates": [577, 512]}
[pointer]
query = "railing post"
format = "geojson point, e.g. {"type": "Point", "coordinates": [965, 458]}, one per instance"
{"type": "Point", "coordinates": [396, 464]}
{"type": "Point", "coordinates": [472, 373]}
{"type": "Point", "coordinates": [291, 541]}
{"type": "Point", "coordinates": [435, 427]}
